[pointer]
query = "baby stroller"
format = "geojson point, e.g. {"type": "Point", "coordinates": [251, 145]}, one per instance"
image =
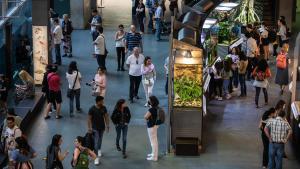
{"type": "Point", "coordinates": [24, 86]}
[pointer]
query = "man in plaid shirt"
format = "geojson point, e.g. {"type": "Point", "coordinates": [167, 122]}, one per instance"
{"type": "Point", "coordinates": [278, 131]}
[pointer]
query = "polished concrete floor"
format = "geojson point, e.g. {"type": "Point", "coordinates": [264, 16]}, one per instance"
{"type": "Point", "coordinates": [231, 134]}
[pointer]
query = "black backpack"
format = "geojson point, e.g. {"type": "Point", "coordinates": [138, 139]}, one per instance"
{"type": "Point", "coordinates": [160, 119]}
{"type": "Point", "coordinates": [89, 141]}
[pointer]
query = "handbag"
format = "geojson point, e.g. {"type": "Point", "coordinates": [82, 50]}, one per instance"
{"type": "Point", "coordinates": [69, 92]}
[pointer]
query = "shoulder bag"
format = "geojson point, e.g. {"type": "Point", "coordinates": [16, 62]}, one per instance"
{"type": "Point", "coordinates": [69, 92]}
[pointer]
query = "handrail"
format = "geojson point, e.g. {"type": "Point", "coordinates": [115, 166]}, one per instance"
{"type": "Point", "coordinates": [12, 12]}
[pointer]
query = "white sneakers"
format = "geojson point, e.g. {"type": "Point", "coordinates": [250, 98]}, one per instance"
{"type": "Point", "coordinates": [151, 159]}
{"type": "Point", "coordinates": [97, 160]}
{"type": "Point", "coordinates": [150, 155]}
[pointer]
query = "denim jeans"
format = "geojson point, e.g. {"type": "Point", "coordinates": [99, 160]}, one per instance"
{"type": "Point", "coordinates": [235, 78]}
{"type": "Point", "coordinates": [75, 94]}
{"type": "Point", "coordinates": [101, 60]}
{"type": "Point", "coordinates": [98, 136]}
{"type": "Point", "coordinates": [276, 151]}
{"type": "Point", "coordinates": [258, 92]}
{"type": "Point", "coordinates": [158, 26]}
{"type": "Point", "coordinates": [243, 84]}
{"type": "Point", "coordinates": [226, 86]}
{"type": "Point", "coordinates": [122, 129]}
{"type": "Point", "coordinates": [57, 53]}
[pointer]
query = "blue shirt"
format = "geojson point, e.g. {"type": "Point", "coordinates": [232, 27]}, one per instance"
{"type": "Point", "coordinates": [19, 157]}
{"type": "Point", "coordinates": [158, 13]}
{"type": "Point", "coordinates": [133, 40]}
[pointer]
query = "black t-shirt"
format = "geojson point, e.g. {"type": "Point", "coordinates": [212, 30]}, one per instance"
{"type": "Point", "coordinates": [264, 118]}
{"type": "Point", "coordinates": [98, 117]}
{"type": "Point", "coordinates": [152, 119]}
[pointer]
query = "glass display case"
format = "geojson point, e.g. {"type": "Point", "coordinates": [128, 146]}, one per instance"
{"type": "Point", "coordinates": [187, 79]}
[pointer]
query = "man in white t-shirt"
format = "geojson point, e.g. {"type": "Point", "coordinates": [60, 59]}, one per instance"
{"type": "Point", "coordinates": [12, 131]}
{"type": "Point", "coordinates": [100, 48]}
{"type": "Point", "coordinates": [134, 62]}
{"type": "Point", "coordinates": [57, 36]}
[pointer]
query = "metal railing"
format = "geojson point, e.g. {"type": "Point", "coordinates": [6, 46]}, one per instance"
{"type": "Point", "coordinates": [9, 8]}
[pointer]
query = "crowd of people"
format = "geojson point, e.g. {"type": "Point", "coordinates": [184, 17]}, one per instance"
{"type": "Point", "coordinates": [250, 62]}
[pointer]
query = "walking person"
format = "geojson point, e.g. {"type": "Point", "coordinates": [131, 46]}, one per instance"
{"type": "Point", "coordinates": [134, 63]}
{"type": "Point", "coordinates": [54, 93]}
{"type": "Point", "coordinates": [269, 114]}
{"type": "Point", "coordinates": [278, 131]}
{"type": "Point", "coordinates": [151, 9]}
{"type": "Point", "coordinates": [67, 30]}
{"type": "Point", "coordinates": [74, 77]}
{"type": "Point", "coordinates": [261, 74]}
{"type": "Point", "coordinates": [3, 93]}
{"type": "Point", "coordinates": [152, 126]}
{"type": "Point", "coordinates": [81, 154]}
{"type": "Point", "coordinates": [121, 118]}
{"type": "Point", "coordinates": [23, 154]}
{"type": "Point", "coordinates": [242, 68]}
{"type": "Point", "coordinates": [100, 48]}
{"type": "Point", "coordinates": [11, 113]}
{"type": "Point", "coordinates": [100, 82]}
{"type": "Point", "coordinates": [120, 47]}
{"type": "Point", "coordinates": [57, 36]}
{"type": "Point", "coordinates": [54, 155]}
{"type": "Point", "coordinates": [140, 15]}
{"type": "Point", "coordinates": [166, 66]}
{"type": "Point", "coordinates": [98, 121]}
{"type": "Point", "coordinates": [96, 21]}
{"type": "Point", "coordinates": [149, 76]}
{"type": "Point", "coordinates": [133, 39]}
{"type": "Point", "coordinates": [158, 18]}
{"type": "Point", "coordinates": [252, 50]}
{"type": "Point", "coordinates": [265, 41]}
{"type": "Point", "coordinates": [282, 32]}
{"type": "Point", "coordinates": [45, 86]}
{"type": "Point", "coordinates": [282, 68]}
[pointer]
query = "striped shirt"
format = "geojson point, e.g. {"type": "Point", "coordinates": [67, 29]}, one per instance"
{"type": "Point", "coordinates": [278, 129]}
{"type": "Point", "coordinates": [133, 40]}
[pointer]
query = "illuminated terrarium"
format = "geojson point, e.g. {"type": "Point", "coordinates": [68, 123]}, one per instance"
{"type": "Point", "coordinates": [187, 78]}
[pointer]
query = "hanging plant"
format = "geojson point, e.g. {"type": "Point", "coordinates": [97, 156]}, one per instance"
{"type": "Point", "coordinates": [246, 13]}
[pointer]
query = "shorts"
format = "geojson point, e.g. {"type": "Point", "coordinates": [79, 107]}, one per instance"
{"type": "Point", "coordinates": [55, 97]}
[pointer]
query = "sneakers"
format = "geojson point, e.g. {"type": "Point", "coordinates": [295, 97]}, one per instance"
{"type": "Point", "coordinates": [150, 155]}
{"type": "Point", "coordinates": [151, 159]}
{"type": "Point", "coordinates": [228, 96]}
{"type": "Point", "coordinates": [146, 105]}
{"type": "Point", "coordinates": [79, 110]}
{"type": "Point", "coordinates": [119, 148]}
{"type": "Point", "coordinates": [99, 153]}
{"type": "Point", "coordinates": [97, 161]}
{"type": "Point", "coordinates": [58, 116]}
{"type": "Point", "coordinates": [47, 117]}
{"type": "Point", "coordinates": [124, 155]}
{"type": "Point", "coordinates": [220, 98]}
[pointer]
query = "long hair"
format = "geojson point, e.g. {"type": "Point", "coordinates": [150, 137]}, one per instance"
{"type": "Point", "coordinates": [72, 67]}
{"type": "Point", "coordinates": [262, 65]}
{"type": "Point", "coordinates": [153, 101]}
{"type": "Point", "coordinates": [22, 145]}
{"type": "Point", "coordinates": [80, 140]}
{"type": "Point", "coordinates": [280, 104]}
{"type": "Point", "coordinates": [146, 59]}
{"type": "Point", "coordinates": [55, 141]}
{"type": "Point", "coordinates": [227, 64]}
{"type": "Point", "coordinates": [119, 104]}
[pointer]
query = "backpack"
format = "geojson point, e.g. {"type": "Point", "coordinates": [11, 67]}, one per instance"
{"type": "Point", "coordinates": [281, 61]}
{"type": "Point", "coordinates": [160, 119]}
{"type": "Point", "coordinates": [260, 76]}
{"type": "Point", "coordinates": [89, 141]}
{"type": "Point", "coordinates": [83, 160]}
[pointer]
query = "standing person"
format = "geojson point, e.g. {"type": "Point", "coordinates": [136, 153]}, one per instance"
{"type": "Point", "coordinates": [12, 131]}
{"type": "Point", "coordinates": [100, 48]}
{"type": "Point", "coordinates": [54, 93]}
{"type": "Point", "coordinates": [74, 77]}
{"type": "Point", "coordinates": [242, 68]}
{"type": "Point", "coordinates": [3, 92]}
{"type": "Point", "coordinates": [166, 66]}
{"type": "Point", "coordinates": [150, 7]}
{"type": "Point", "coordinates": [152, 124]}
{"type": "Point", "coordinates": [98, 121]}
{"type": "Point", "coordinates": [134, 5]}
{"type": "Point", "coordinates": [252, 50]}
{"type": "Point", "coordinates": [264, 38]}
{"type": "Point", "coordinates": [11, 113]}
{"type": "Point", "coordinates": [23, 153]}
{"type": "Point", "coordinates": [54, 154]}
{"type": "Point", "coordinates": [280, 106]}
{"type": "Point", "coordinates": [81, 154]}
{"type": "Point", "coordinates": [269, 114]}
{"type": "Point", "coordinates": [174, 7]}
{"type": "Point", "coordinates": [57, 36]}
{"type": "Point", "coordinates": [67, 29]}
{"type": "Point", "coordinates": [278, 131]}
{"type": "Point", "coordinates": [158, 18]}
{"type": "Point", "coordinates": [234, 66]}
{"type": "Point", "coordinates": [218, 81]}
{"type": "Point", "coordinates": [45, 86]}
{"type": "Point", "coordinates": [133, 39]}
{"type": "Point", "coordinates": [261, 73]}
{"type": "Point", "coordinates": [141, 14]}
{"type": "Point", "coordinates": [96, 21]}
{"type": "Point", "coordinates": [282, 32]}
{"type": "Point", "coordinates": [121, 118]}
{"type": "Point", "coordinates": [226, 74]}
{"type": "Point", "coordinates": [282, 68]}
{"type": "Point", "coordinates": [134, 63]}
{"type": "Point", "coordinates": [100, 82]}
{"type": "Point", "coordinates": [149, 76]}
{"type": "Point", "coordinates": [120, 47]}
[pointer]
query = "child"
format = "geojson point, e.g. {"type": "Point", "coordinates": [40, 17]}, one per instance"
{"type": "Point", "coordinates": [226, 74]}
